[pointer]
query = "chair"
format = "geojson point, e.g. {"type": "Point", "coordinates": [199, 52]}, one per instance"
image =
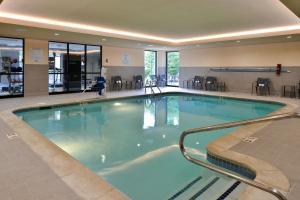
{"type": "Point", "coordinates": [93, 85]}
{"type": "Point", "coordinates": [162, 80]}
{"type": "Point", "coordinates": [198, 82]}
{"type": "Point", "coordinates": [211, 83]}
{"type": "Point", "coordinates": [153, 80]}
{"type": "Point", "coordinates": [116, 82]}
{"type": "Point", "coordinates": [262, 85]}
{"type": "Point", "coordinates": [138, 81]}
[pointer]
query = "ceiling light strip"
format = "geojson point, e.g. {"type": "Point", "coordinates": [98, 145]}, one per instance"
{"type": "Point", "coordinates": [243, 33]}
{"type": "Point", "coordinates": [98, 29]}
{"type": "Point", "coordinates": [80, 26]}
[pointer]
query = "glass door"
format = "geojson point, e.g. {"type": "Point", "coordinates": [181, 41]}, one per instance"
{"type": "Point", "coordinates": [58, 53]}
{"type": "Point", "coordinates": [150, 63]}
{"type": "Point", "coordinates": [173, 59]}
{"type": "Point", "coordinates": [93, 65]}
{"type": "Point", "coordinates": [76, 67]}
{"type": "Point", "coordinates": [73, 67]}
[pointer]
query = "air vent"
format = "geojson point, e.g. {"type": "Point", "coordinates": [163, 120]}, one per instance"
{"type": "Point", "coordinates": [12, 136]}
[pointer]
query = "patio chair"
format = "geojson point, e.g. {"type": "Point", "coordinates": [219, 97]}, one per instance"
{"type": "Point", "coordinates": [198, 82]}
{"type": "Point", "coordinates": [138, 81]}
{"type": "Point", "coordinates": [211, 83]}
{"type": "Point", "coordinates": [116, 82]}
{"type": "Point", "coordinates": [162, 80]}
{"type": "Point", "coordinates": [262, 86]}
{"type": "Point", "coordinates": [153, 80]}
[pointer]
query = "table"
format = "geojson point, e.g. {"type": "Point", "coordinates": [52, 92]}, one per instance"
{"type": "Point", "coordinates": [221, 86]}
{"type": "Point", "coordinates": [289, 89]}
{"type": "Point", "coordinates": [185, 82]}
{"type": "Point", "coordinates": [128, 84]}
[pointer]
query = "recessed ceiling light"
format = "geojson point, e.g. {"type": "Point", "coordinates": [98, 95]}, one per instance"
{"type": "Point", "coordinates": [56, 34]}
{"type": "Point", "coordinates": [289, 37]}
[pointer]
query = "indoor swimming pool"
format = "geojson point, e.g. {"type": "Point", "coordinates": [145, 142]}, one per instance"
{"type": "Point", "coordinates": [132, 143]}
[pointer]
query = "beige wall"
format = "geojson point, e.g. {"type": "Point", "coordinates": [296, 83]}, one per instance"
{"type": "Point", "coordinates": [161, 62]}
{"type": "Point", "coordinates": [287, 54]}
{"type": "Point", "coordinates": [161, 58]}
{"type": "Point", "coordinates": [113, 56]}
{"type": "Point", "coordinates": [36, 71]}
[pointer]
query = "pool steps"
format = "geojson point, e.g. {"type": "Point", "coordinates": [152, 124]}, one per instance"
{"type": "Point", "coordinates": [185, 188]}
{"type": "Point", "coordinates": [214, 188]}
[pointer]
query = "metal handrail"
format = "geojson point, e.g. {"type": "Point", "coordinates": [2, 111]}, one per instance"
{"type": "Point", "coordinates": [150, 85]}
{"type": "Point", "coordinates": [214, 168]}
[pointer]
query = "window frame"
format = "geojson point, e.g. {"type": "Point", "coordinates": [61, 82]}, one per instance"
{"type": "Point", "coordinates": [23, 71]}
{"type": "Point", "coordinates": [167, 52]}
{"type": "Point", "coordinates": [156, 60]}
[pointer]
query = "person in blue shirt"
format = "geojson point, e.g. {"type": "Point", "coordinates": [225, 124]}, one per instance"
{"type": "Point", "coordinates": [101, 84]}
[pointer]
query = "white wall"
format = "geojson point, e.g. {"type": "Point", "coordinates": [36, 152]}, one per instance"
{"type": "Point", "coordinates": [287, 54]}
{"type": "Point", "coordinates": [113, 56]}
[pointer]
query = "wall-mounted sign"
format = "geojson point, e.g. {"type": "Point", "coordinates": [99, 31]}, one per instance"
{"type": "Point", "coordinates": [125, 59]}
{"type": "Point", "coordinates": [36, 55]}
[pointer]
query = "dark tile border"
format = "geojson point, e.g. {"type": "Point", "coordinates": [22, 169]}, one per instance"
{"type": "Point", "coordinates": [244, 171]}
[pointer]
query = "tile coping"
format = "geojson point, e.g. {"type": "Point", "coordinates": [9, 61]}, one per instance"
{"type": "Point", "coordinates": [88, 185]}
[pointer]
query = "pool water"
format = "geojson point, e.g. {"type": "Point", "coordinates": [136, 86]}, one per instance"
{"type": "Point", "coordinates": [133, 143]}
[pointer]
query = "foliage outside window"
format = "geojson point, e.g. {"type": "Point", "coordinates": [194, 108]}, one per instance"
{"type": "Point", "coordinates": [173, 59]}
{"type": "Point", "coordinates": [150, 64]}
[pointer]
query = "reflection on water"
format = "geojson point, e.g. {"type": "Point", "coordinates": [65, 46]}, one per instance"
{"type": "Point", "coordinates": [57, 114]}
{"type": "Point", "coordinates": [153, 105]}
{"type": "Point", "coordinates": [149, 113]}
{"type": "Point", "coordinates": [173, 111]}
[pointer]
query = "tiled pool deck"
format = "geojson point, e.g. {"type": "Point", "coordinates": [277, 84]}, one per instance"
{"type": "Point", "coordinates": [31, 167]}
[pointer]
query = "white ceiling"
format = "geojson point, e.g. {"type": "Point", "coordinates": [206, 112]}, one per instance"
{"type": "Point", "coordinates": [18, 31]}
{"type": "Point", "coordinates": [173, 19]}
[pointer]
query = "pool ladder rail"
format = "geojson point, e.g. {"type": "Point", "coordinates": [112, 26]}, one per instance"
{"type": "Point", "coordinates": [253, 183]}
{"type": "Point", "coordinates": [151, 84]}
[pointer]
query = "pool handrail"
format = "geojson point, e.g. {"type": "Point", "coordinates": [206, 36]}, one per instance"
{"type": "Point", "coordinates": [268, 189]}
{"type": "Point", "coordinates": [151, 84]}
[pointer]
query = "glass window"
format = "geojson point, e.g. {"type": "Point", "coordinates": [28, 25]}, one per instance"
{"type": "Point", "coordinates": [150, 63]}
{"type": "Point", "coordinates": [11, 67]}
{"type": "Point", "coordinates": [58, 53]}
{"type": "Point", "coordinates": [93, 64]}
{"type": "Point", "coordinates": [173, 68]}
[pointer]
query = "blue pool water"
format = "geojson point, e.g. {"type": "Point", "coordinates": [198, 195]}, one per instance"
{"type": "Point", "coordinates": [132, 143]}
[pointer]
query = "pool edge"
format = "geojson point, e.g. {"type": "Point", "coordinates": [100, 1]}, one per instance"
{"type": "Point", "coordinates": [221, 148]}
{"type": "Point", "coordinates": [46, 149]}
